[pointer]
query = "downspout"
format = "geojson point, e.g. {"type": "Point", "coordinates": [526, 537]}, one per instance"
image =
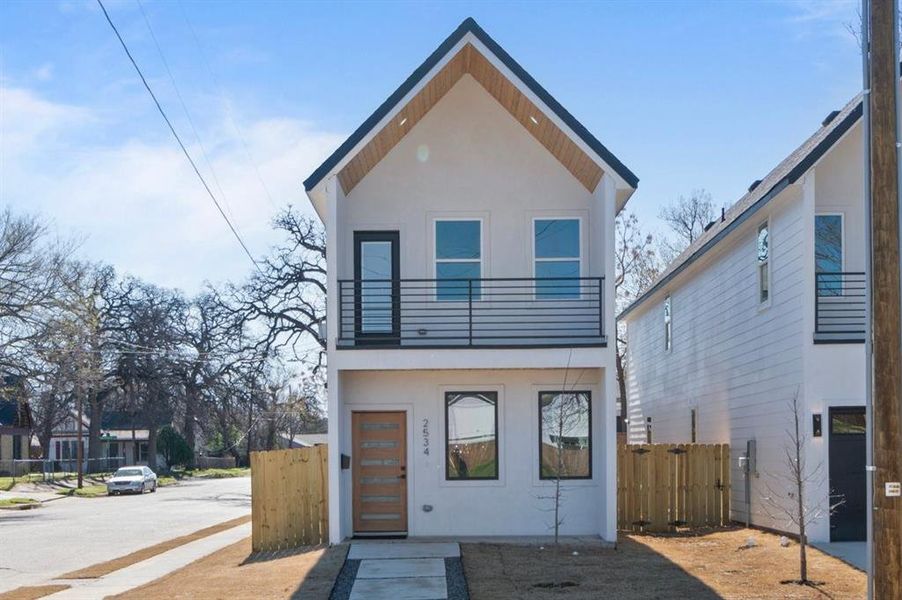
{"type": "Point", "coordinates": [869, 251]}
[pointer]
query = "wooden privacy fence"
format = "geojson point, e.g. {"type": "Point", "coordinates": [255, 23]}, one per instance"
{"type": "Point", "coordinates": [664, 486]}
{"type": "Point", "coordinates": [289, 498]}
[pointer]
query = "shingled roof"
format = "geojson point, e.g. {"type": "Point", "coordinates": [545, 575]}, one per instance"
{"type": "Point", "coordinates": [784, 174]}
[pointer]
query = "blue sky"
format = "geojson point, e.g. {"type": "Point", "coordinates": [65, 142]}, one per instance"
{"type": "Point", "coordinates": [688, 94]}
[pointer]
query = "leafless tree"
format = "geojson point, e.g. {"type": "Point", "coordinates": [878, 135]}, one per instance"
{"type": "Point", "coordinates": [636, 266]}
{"type": "Point", "coordinates": [288, 295]}
{"type": "Point", "coordinates": [787, 500]}
{"type": "Point", "coordinates": [687, 218]}
{"type": "Point", "coordinates": [30, 266]}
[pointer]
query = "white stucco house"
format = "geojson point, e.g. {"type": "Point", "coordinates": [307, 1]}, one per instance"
{"type": "Point", "coordinates": [769, 302]}
{"type": "Point", "coordinates": [470, 224]}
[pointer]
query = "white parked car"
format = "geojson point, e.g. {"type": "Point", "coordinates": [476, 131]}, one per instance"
{"type": "Point", "coordinates": [132, 479]}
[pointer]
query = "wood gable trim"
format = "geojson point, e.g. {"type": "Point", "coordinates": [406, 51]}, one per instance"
{"type": "Point", "coordinates": [594, 149]}
{"type": "Point", "coordinates": [469, 60]}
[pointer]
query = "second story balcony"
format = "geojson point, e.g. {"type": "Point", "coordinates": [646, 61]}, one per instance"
{"type": "Point", "coordinates": [839, 308]}
{"type": "Point", "coordinates": [471, 313]}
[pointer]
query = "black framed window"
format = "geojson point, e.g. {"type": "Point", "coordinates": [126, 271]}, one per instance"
{"type": "Point", "coordinates": [471, 435]}
{"type": "Point", "coordinates": [565, 435]}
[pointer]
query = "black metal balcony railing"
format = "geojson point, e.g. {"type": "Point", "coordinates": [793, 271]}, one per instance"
{"type": "Point", "coordinates": [839, 307]}
{"type": "Point", "coordinates": [460, 313]}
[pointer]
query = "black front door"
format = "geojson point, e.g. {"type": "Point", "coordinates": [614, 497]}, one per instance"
{"type": "Point", "coordinates": [377, 313]}
{"type": "Point", "coordinates": [848, 481]}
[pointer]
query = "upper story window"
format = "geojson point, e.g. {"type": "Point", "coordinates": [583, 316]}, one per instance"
{"type": "Point", "coordinates": [668, 325]}
{"type": "Point", "coordinates": [556, 244]}
{"type": "Point", "coordinates": [763, 251]}
{"type": "Point", "coordinates": [828, 253]}
{"type": "Point", "coordinates": [458, 258]}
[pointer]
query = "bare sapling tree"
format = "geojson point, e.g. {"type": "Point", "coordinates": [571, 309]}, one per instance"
{"type": "Point", "coordinates": [564, 451]}
{"type": "Point", "coordinates": [787, 500]}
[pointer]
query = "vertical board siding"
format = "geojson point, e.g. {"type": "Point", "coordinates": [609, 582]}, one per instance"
{"type": "Point", "coordinates": [289, 498]}
{"type": "Point", "coordinates": [661, 487]}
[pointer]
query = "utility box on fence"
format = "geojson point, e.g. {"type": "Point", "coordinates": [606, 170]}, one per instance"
{"type": "Point", "coordinates": [289, 498]}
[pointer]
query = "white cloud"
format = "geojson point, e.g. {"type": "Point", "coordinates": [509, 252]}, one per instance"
{"type": "Point", "coordinates": [831, 18]}
{"type": "Point", "coordinates": [139, 204]}
{"type": "Point", "coordinates": [44, 72]}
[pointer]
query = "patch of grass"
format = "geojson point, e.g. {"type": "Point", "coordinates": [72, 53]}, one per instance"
{"type": "Point", "coordinates": [214, 473]}
{"type": "Point", "coordinates": [7, 483]}
{"type": "Point", "coordinates": [166, 480]}
{"type": "Point", "coordinates": [17, 501]}
{"type": "Point", "coordinates": [88, 491]}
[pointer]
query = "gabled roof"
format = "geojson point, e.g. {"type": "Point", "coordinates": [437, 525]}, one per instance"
{"type": "Point", "coordinates": [469, 26]}
{"type": "Point", "coordinates": [790, 170]}
{"type": "Point", "coordinates": [14, 414]}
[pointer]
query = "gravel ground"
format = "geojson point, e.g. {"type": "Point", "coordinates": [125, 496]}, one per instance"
{"type": "Point", "coordinates": [456, 580]}
{"type": "Point", "coordinates": [345, 580]}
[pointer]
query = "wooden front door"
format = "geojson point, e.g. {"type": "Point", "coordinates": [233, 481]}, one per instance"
{"type": "Point", "coordinates": [380, 472]}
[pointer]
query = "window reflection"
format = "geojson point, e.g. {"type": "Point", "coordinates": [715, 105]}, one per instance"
{"type": "Point", "coordinates": [472, 435]}
{"type": "Point", "coordinates": [565, 435]}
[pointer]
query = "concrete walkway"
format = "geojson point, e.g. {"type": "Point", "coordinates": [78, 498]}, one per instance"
{"type": "Point", "coordinates": [401, 571]}
{"type": "Point", "coordinates": [853, 553]}
{"type": "Point", "coordinates": [151, 569]}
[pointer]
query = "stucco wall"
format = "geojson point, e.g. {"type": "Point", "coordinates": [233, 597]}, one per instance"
{"type": "Point", "coordinates": [469, 158]}
{"type": "Point", "coordinates": [513, 504]}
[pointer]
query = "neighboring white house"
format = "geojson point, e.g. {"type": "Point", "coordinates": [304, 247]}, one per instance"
{"type": "Point", "coordinates": [470, 229]}
{"type": "Point", "coordinates": [767, 303]}
{"type": "Point", "coordinates": [123, 437]}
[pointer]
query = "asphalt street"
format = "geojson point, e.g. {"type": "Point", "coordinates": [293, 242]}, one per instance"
{"type": "Point", "coordinates": [72, 533]}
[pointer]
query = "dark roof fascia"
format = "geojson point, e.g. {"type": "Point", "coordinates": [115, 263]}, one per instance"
{"type": "Point", "coordinates": [469, 26]}
{"type": "Point", "coordinates": [794, 174]}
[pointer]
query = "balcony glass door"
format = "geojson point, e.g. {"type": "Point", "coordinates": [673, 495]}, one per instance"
{"type": "Point", "coordinates": [377, 286]}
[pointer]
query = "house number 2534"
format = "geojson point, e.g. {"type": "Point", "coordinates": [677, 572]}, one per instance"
{"type": "Point", "coordinates": [426, 437]}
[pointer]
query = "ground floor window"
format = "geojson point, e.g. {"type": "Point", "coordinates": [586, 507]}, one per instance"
{"type": "Point", "coordinates": [471, 428]}
{"type": "Point", "coordinates": [142, 452]}
{"type": "Point", "coordinates": [17, 447]}
{"type": "Point", "coordinates": [565, 435]}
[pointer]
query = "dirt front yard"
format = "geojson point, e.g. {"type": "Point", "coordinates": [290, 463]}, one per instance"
{"type": "Point", "coordinates": [234, 572]}
{"type": "Point", "coordinates": [657, 567]}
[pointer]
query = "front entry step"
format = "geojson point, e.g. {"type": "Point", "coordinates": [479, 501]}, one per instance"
{"type": "Point", "coordinates": [388, 550]}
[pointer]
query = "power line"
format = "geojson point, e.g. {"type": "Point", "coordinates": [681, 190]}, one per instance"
{"type": "Point", "coordinates": [226, 105]}
{"type": "Point", "coordinates": [178, 94]}
{"type": "Point", "coordinates": [177, 138]}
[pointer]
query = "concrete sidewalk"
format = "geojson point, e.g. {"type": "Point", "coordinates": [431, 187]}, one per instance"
{"type": "Point", "coordinates": [151, 569]}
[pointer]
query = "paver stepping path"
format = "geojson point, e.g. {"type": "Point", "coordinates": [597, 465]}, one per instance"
{"type": "Point", "coordinates": [400, 571]}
